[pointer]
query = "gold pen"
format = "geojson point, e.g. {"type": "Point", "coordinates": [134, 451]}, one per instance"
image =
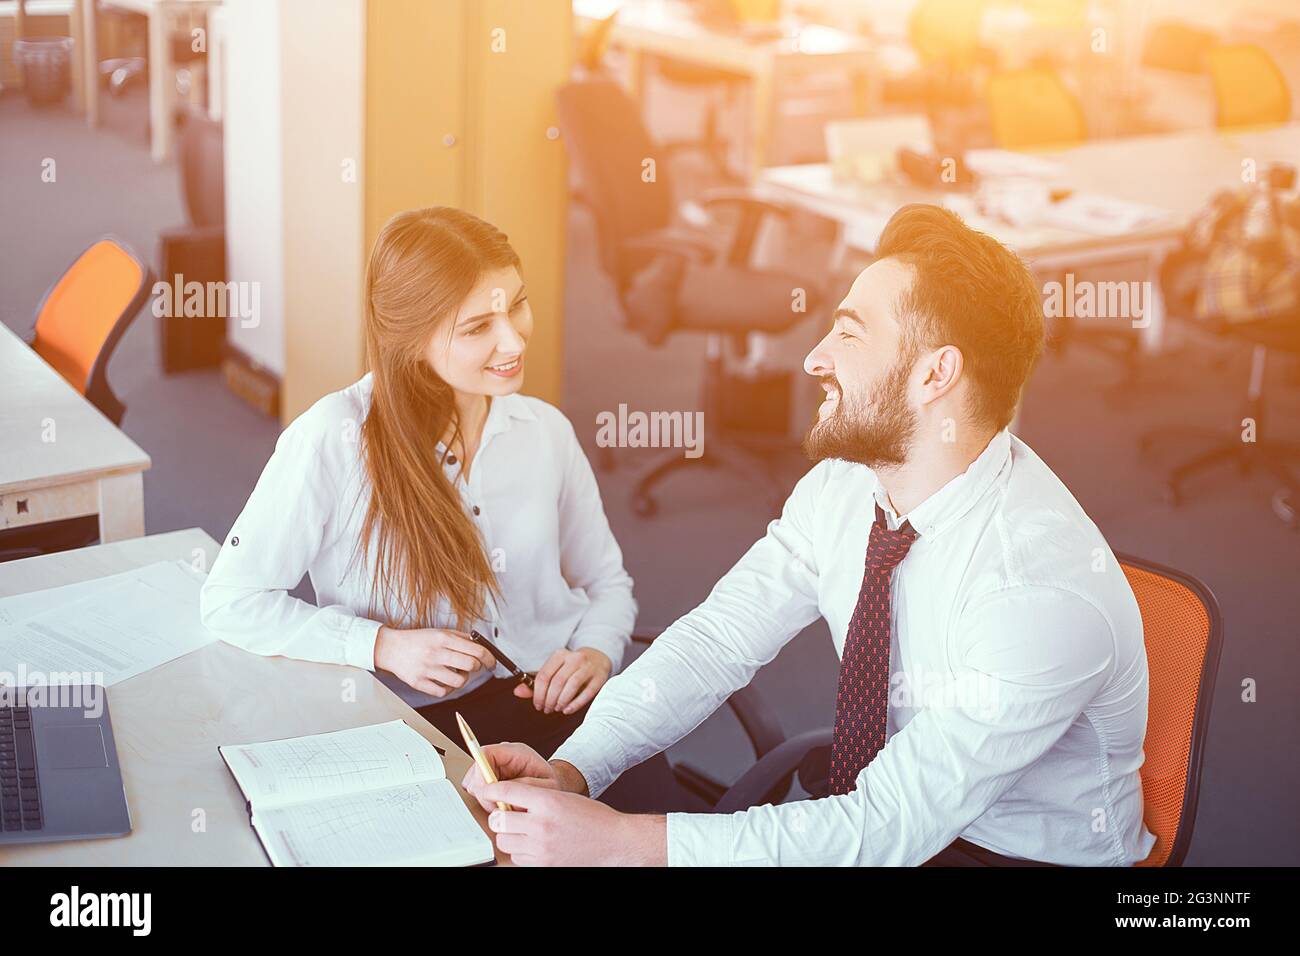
{"type": "Point", "coordinates": [485, 768]}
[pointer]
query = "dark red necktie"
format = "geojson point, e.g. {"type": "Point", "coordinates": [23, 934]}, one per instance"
{"type": "Point", "coordinates": [862, 698]}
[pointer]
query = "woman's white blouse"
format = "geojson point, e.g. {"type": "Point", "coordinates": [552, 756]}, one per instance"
{"type": "Point", "coordinates": [531, 491]}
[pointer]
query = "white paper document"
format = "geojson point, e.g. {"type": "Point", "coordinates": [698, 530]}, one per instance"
{"type": "Point", "coordinates": [103, 631]}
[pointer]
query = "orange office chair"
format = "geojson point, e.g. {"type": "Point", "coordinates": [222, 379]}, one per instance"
{"type": "Point", "coordinates": [1184, 635]}
{"type": "Point", "coordinates": [1249, 89]}
{"type": "Point", "coordinates": [946, 31]}
{"type": "Point", "coordinates": [1033, 107]}
{"type": "Point", "coordinates": [1178, 46]}
{"type": "Point", "coordinates": [83, 315]}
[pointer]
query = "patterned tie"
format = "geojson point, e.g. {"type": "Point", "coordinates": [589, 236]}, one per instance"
{"type": "Point", "coordinates": [862, 699]}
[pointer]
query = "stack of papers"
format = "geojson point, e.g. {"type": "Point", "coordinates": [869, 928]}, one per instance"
{"type": "Point", "coordinates": [104, 630]}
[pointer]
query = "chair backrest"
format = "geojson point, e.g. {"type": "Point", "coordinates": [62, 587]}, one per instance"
{"type": "Point", "coordinates": [1249, 89]}
{"type": "Point", "coordinates": [946, 31]}
{"type": "Point", "coordinates": [624, 175]}
{"type": "Point", "coordinates": [1033, 107]}
{"type": "Point", "coordinates": [84, 314]}
{"type": "Point", "coordinates": [1175, 45]}
{"type": "Point", "coordinates": [1183, 633]}
{"type": "Point", "coordinates": [202, 163]}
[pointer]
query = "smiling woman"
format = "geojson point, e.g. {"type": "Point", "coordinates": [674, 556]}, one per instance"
{"type": "Point", "coordinates": [448, 264]}
{"type": "Point", "coordinates": [430, 499]}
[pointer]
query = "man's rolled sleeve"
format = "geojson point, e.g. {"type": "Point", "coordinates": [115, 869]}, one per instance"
{"type": "Point", "coordinates": [597, 755]}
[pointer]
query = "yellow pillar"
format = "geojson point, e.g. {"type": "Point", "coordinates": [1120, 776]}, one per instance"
{"type": "Point", "coordinates": [460, 111]}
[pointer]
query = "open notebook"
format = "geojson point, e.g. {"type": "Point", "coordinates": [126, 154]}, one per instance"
{"type": "Point", "coordinates": [370, 796]}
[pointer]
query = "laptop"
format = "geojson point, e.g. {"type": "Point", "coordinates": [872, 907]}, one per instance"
{"type": "Point", "coordinates": [59, 775]}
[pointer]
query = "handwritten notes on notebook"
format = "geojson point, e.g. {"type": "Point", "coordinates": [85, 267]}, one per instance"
{"type": "Point", "coordinates": [369, 796]}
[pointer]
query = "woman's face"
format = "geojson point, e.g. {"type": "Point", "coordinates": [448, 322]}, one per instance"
{"type": "Point", "coordinates": [480, 350]}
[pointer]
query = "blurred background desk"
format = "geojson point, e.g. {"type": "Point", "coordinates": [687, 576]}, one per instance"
{"type": "Point", "coordinates": [766, 57]}
{"type": "Point", "coordinates": [1176, 172]}
{"type": "Point", "coordinates": [168, 723]}
{"type": "Point", "coordinates": [62, 458]}
{"type": "Point", "coordinates": [162, 87]}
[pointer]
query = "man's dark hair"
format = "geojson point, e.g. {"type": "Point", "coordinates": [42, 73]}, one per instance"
{"type": "Point", "coordinates": [972, 292]}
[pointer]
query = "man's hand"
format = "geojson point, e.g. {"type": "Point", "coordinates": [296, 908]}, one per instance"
{"type": "Point", "coordinates": [548, 827]}
{"type": "Point", "coordinates": [568, 680]}
{"type": "Point", "coordinates": [430, 659]}
{"type": "Point", "coordinates": [510, 761]}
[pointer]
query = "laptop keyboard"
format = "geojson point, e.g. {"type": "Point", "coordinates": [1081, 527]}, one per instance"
{"type": "Point", "coordinates": [20, 799]}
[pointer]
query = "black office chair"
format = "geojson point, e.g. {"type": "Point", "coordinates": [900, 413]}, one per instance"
{"type": "Point", "coordinates": [1278, 334]}
{"type": "Point", "coordinates": [671, 276]}
{"type": "Point", "coordinates": [196, 251]}
{"type": "Point", "coordinates": [777, 760]}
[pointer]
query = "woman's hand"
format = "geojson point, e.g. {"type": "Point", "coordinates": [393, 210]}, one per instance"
{"type": "Point", "coordinates": [430, 659]}
{"type": "Point", "coordinates": [568, 680]}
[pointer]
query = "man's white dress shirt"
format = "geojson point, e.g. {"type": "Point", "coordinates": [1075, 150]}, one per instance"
{"type": "Point", "coordinates": [1018, 677]}
{"type": "Point", "coordinates": [531, 491]}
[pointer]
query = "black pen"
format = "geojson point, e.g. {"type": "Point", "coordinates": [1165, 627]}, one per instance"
{"type": "Point", "coordinates": [507, 663]}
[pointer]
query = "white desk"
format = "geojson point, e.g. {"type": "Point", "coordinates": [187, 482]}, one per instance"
{"type": "Point", "coordinates": [162, 82]}
{"type": "Point", "coordinates": [666, 29]}
{"type": "Point", "coordinates": [168, 723]}
{"type": "Point", "coordinates": [61, 457]}
{"type": "Point", "coordinates": [1177, 172]}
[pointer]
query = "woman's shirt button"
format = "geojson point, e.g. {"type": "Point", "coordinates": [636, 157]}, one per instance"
{"type": "Point", "coordinates": [451, 459]}
{"type": "Point", "coordinates": [476, 509]}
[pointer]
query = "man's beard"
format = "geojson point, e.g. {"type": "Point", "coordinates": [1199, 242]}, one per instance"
{"type": "Point", "coordinates": [876, 433]}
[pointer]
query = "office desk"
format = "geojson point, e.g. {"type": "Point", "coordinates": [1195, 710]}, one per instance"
{"type": "Point", "coordinates": [666, 29]}
{"type": "Point", "coordinates": [61, 457]}
{"type": "Point", "coordinates": [1177, 172]}
{"type": "Point", "coordinates": [168, 723]}
{"type": "Point", "coordinates": [162, 80]}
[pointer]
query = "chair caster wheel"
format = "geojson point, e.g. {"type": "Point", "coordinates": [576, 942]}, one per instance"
{"type": "Point", "coordinates": [1172, 496]}
{"type": "Point", "coordinates": [643, 506]}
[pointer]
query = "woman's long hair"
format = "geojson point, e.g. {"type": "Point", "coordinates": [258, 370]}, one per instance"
{"type": "Point", "coordinates": [424, 265]}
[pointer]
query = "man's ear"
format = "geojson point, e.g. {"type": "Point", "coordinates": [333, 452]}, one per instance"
{"type": "Point", "coordinates": [940, 373]}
